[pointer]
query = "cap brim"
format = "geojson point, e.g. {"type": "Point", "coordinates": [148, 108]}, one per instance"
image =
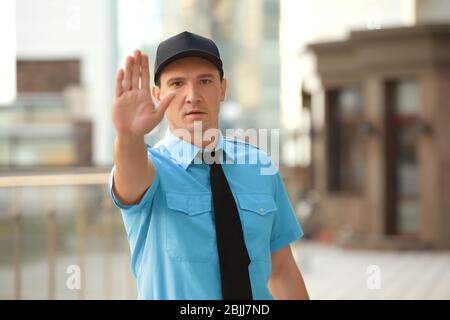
{"type": "Point", "coordinates": [189, 53]}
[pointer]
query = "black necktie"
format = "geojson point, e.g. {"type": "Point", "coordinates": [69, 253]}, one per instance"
{"type": "Point", "coordinates": [233, 256]}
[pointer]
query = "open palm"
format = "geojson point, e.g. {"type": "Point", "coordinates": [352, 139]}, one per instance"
{"type": "Point", "coordinates": [133, 109]}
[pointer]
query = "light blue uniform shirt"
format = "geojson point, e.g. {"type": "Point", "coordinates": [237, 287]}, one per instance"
{"type": "Point", "coordinates": [171, 230]}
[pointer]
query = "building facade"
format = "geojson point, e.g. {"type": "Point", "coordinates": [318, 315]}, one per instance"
{"type": "Point", "coordinates": [380, 137]}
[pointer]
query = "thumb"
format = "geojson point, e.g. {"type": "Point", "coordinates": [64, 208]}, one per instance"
{"type": "Point", "coordinates": [164, 104]}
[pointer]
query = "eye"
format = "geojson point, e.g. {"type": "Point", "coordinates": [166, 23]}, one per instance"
{"type": "Point", "coordinates": [176, 84]}
{"type": "Point", "coordinates": [205, 81]}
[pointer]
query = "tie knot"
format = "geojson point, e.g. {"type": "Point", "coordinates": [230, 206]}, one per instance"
{"type": "Point", "coordinates": [211, 157]}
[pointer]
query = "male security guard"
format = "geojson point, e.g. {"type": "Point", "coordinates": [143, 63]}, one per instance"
{"type": "Point", "coordinates": [197, 229]}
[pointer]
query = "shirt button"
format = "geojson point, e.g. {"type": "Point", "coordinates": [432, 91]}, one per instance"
{"type": "Point", "coordinates": [261, 210]}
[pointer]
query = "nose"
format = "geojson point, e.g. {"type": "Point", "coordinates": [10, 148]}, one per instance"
{"type": "Point", "coordinates": [192, 94]}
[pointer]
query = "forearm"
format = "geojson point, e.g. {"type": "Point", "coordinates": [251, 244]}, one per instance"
{"type": "Point", "coordinates": [133, 170]}
{"type": "Point", "coordinates": [288, 284]}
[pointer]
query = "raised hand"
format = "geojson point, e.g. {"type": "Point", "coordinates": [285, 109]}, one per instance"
{"type": "Point", "coordinates": [133, 110]}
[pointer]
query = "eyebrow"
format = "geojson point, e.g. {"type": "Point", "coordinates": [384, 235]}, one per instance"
{"type": "Point", "coordinates": [206, 75]}
{"type": "Point", "coordinates": [203, 75]}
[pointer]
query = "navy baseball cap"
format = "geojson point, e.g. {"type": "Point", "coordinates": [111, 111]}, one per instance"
{"type": "Point", "coordinates": [186, 44]}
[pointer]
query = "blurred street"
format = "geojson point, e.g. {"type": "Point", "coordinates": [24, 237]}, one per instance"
{"type": "Point", "coordinates": [335, 273]}
{"type": "Point", "coordinates": [329, 272]}
{"type": "Point", "coordinates": [98, 284]}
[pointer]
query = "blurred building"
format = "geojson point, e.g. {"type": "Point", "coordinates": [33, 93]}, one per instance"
{"type": "Point", "coordinates": [382, 153]}
{"type": "Point", "coordinates": [376, 104]}
{"type": "Point", "coordinates": [247, 35]}
{"type": "Point", "coordinates": [65, 70]}
{"type": "Point", "coordinates": [43, 127]}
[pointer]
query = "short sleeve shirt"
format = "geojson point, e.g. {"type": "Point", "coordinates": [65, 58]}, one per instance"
{"type": "Point", "coordinates": [171, 231]}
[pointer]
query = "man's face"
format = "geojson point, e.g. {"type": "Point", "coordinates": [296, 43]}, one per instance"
{"type": "Point", "coordinates": [199, 92]}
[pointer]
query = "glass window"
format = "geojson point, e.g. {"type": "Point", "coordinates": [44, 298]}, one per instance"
{"type": "Point", "coordinates": [402, 161]}
{"type": "Point", "coordinates": [344, 114]}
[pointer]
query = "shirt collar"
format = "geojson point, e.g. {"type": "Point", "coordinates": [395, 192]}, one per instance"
{"type": "Point", "coordinates": [183, 152]}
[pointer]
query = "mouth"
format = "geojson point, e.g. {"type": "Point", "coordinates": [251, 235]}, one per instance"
{"type": "Point", "coordinates": [194, 113]}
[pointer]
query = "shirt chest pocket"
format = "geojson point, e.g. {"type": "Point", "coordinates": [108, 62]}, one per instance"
{"type": "Point", "coordinates": [257, 211]}
{"type": "Point", "coordinates": [189, 226]}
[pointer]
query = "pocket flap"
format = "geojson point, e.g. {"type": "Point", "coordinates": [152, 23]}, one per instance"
{"type": "Point", "coordinates": [256, 202]}
{"type": "Point", "coordinates": [189, 203]}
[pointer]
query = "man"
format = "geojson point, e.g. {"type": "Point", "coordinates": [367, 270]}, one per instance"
{"type": "Point", "coordinates": [197, 229]}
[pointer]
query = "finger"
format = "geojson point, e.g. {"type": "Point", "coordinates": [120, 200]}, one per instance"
{"type": "Point", "coordinates": [145, 73]}
{"type": "Point", "coordinates": [164, 104]}
{"type": "Point", "coordinates": [136, 73]}
{"type": "Point", "coordinates": [126, 84]}
{"type": "Point", "coordinates": [119, 79]}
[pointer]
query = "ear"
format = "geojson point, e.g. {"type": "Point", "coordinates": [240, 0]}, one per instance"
{"type": "Point", "coordinates": [156, 93]}
{"type": "Point", "coordinates": [223, 89]}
